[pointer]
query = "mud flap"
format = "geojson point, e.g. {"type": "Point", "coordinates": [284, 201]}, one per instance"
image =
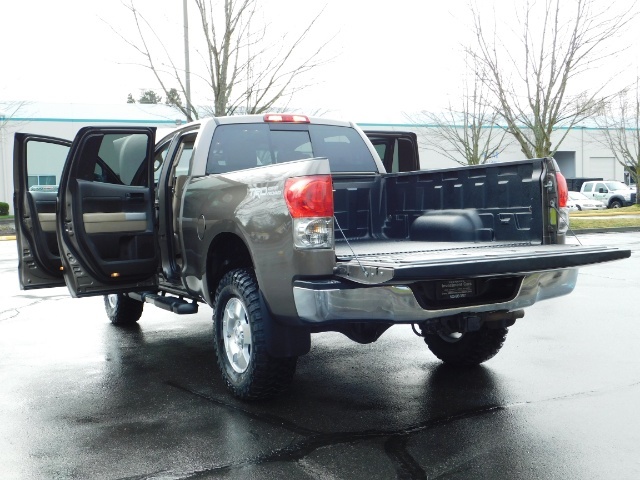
{"type": "Point", "coordinates": [283, 340]}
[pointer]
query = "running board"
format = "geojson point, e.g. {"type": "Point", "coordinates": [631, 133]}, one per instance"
{"type": "Point", "coordinates": [172, 304]}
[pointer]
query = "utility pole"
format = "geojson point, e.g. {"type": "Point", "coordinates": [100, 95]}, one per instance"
{"type": "Point", "coordinates": [187, 81]}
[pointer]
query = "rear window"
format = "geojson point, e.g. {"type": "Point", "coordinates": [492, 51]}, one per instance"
{"type": "Point", "coordinates": [242, 146]}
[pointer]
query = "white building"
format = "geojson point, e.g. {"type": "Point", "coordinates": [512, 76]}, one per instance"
{"type": "Point", "coordinates": [581, 153]}
{"type": "Point", "coordinates": [64, 121]}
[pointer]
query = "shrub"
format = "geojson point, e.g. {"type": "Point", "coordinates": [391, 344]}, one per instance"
{"type": "Point", "coordinates": [4, 208]}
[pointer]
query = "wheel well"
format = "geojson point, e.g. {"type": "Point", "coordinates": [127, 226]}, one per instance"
{"type": "Point", "coordinates": [226, 252]}
{"type": "Point", "coordinates": [618, 199]}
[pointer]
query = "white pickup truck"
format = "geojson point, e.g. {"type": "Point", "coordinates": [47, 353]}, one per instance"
{"type": "Point", "coordinates": [612, 193]}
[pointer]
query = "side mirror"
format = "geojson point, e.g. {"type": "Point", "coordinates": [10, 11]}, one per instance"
{"type": "Point", "coordinates": [601, 190]}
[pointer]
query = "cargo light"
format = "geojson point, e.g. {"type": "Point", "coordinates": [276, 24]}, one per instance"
{"type": "Point", "coordinates": [310, 203]}
{"type": "Point", "coordinates": [286, 118]}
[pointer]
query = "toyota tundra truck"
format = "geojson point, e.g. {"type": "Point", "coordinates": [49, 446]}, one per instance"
{"type": "Point", "coordinates": [285, 226]}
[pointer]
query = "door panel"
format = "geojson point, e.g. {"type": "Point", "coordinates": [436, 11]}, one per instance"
{"type": "Point", "coordinates": [37, 167]}
{"type": "Point", "coordinates": [107, 227]}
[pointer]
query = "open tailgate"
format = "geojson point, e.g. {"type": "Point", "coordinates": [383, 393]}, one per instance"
{"type": "Point", "coordinates": [375, 262]}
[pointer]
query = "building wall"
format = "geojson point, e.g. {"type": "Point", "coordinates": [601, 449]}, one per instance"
{"type": "Point", "coordinates": [581, 153]}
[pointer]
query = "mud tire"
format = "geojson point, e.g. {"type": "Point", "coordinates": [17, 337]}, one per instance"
{"type": "Point", "coordinates": [239, 332]}
{"type": "Point", "coordinates": [467, 349]}
{"type": "Point", "coordinates": [122, 310]}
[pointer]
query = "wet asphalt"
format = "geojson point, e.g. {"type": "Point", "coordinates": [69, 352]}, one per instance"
{"type": "Point", "coordinates": [82, 399]}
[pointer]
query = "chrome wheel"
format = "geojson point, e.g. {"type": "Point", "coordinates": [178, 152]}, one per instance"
{"type": "Point", "coordinates": [452, 337]}
{"type": "Point", "coordinates": [236, 333]}
{"type": "Point", "coordinates": [113, 300]}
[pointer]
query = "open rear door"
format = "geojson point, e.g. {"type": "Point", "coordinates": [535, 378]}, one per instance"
{"type": "Point", "coordinates": [106, 227]}
{"type": "Point", "coordinates": [397, 150]}
{"type": "Point", "coordinates": [37, 167]}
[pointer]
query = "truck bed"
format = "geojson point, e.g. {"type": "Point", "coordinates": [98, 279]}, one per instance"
{"type": "Point", "coordinates": [397, 261]}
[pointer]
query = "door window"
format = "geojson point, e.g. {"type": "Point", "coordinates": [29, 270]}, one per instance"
{"type": "Point", "coordinates": [44, 165]}
{"type": "Point", "coordinates": [116, 158]}
{"type": "Point", "coordinates": [158, 160]}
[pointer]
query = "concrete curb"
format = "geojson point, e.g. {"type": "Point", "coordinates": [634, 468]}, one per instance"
{"type": "Point", "coordinates": [603, 230]}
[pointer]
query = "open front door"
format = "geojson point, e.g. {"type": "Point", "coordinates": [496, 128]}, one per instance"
{"type": "Point", "coordinates": [37, 167]}
{"type": "Point", "coordinates": [106, 226]}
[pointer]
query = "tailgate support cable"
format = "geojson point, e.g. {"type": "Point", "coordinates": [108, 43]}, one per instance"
{"type": "Point", "coordinates": [568, 223]}
{"type": "Point", "coordinates": [349, 245]}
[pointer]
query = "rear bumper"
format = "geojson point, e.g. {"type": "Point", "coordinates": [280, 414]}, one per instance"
{"type": "Point", "coordinates": [335, 301]}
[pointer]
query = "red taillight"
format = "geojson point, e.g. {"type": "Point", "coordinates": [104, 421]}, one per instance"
{"type": "Point", "coordinates": [286, 118]}
{"type": "Point", "coordinates": [563, 190]}
{"type": "Point", "coordinates": [309, 196]}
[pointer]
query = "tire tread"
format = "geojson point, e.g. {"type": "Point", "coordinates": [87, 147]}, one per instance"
{"type": "Point", "coordinates": [472, 349]}
{"type": "Point", "coordinates": [267, 376]}
{"type": "Point", "coordinates": [126, 312]}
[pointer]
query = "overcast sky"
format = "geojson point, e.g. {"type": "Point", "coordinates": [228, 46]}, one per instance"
{"type": "Point", "coordinates": [403, 55]}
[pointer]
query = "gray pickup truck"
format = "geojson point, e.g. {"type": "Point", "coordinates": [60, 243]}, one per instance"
{"type": "Point", "coordinates": [287, 225]}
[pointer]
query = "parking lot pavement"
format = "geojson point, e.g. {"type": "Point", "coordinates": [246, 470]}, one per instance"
{"type": "Point", "coordinates": [81, 398]}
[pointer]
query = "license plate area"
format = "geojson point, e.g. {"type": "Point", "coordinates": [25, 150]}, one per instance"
{"type": "Point", "coordinates": [459, 292]}
{"type": "Point", "coordinates": [454, 289]}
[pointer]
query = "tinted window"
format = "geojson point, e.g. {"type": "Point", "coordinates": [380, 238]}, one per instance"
{"type": "Point", "coordinates": [184, 154]}
{"type": "Point", "coordinates": [237, 147]}
{"type": "Point", "coordinates": [158, 159]}
{"type": "Point", "coordinates": [115, 158]}
{"type": "Point", "coordinates": [344, 147]}
{"type": "Point", "coordinates": [588, 187]}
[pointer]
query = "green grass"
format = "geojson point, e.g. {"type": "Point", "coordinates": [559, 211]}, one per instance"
{"type": "Point", "coordinates": [609, 218]}
{"type": "Point", "coordinates": [609, 212]}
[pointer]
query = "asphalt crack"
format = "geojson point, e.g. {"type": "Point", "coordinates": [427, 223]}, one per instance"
{"type": "Point", "coordinates": [395, 440]}
{"type": "Point", "coordinates": [406, 466]}
{"type": "Point", "coordinates": [263, 417]}
{"type": "Point", "coordinates": [395, 446]}
{"type": "Point", "coordinates": [8, 314]}
{"type": "Point", "coordinates": [13, 312]}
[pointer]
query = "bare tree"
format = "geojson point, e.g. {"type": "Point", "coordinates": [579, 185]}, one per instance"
{"type": "Point", "coordinates": [620, 126]}
{"type": "Point", "coordinates": [468, 135]}
{"type": "Point", "coordinates": [534, 81]}
{"type": "Point", "coordinates": [240, 69]}
{"type": "Point", "coordinates": [8, 110]}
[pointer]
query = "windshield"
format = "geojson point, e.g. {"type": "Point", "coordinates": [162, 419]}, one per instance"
{"type": "Point", "coordinates": [616, 186]}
